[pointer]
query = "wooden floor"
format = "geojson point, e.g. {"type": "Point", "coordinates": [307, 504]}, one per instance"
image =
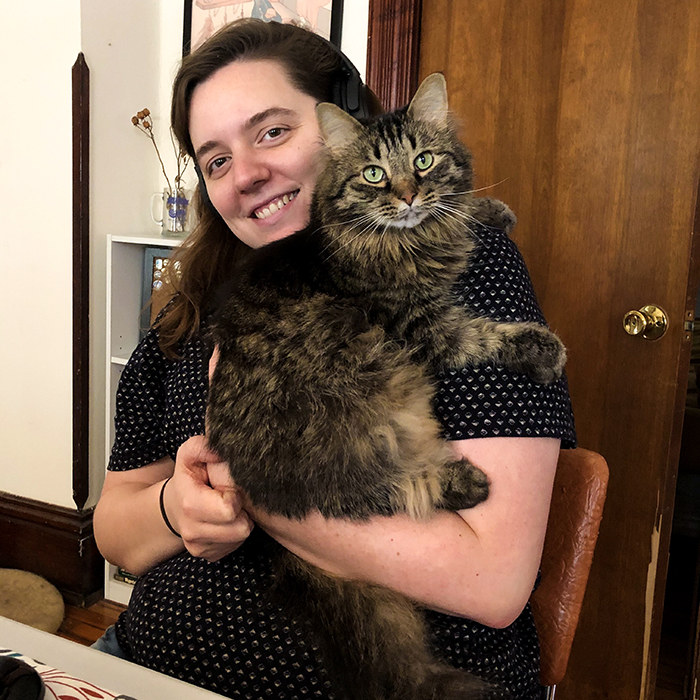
{"type": "Point", "coordinates": [86, 625]}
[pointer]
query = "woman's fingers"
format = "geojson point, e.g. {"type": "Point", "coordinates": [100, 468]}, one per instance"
{"type": "Point", "coordinates": [204, 504]}
{"type": "Point", "coordinates": [216, 541]}
{"type": "Point", "coordinates": [213, 360]}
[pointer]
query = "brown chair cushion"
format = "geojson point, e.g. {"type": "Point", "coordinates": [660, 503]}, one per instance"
{"type": "Point", "coordinates": [577, 508]}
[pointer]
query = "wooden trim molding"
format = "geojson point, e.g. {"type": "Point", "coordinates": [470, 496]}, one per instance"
{"type": "Point", "coordinates": [392, 50]}
{"type": "Point", "coordinates": [54, 542]}
{"type": "Point", "coordinates": [81, 279]}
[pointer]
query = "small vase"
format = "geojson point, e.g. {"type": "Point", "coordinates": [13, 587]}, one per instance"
{"type": "Point", "coordinates": [175, 220]}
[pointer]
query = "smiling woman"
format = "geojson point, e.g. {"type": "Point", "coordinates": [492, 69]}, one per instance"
{"type": "Point", "coordinates": [302, 65]}
{"type": "Point", "coordinates": [257, 143]}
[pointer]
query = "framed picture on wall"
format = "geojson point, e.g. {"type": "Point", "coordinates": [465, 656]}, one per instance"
{"type": "Point", "coordinates": [204, 17]}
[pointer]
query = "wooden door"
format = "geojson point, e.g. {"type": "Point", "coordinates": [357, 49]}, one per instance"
{"type": "Point", "coordinates": [587, 113]}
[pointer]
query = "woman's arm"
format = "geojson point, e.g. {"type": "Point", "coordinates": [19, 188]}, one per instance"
{"type": "Point", "coordinates": [130, 530]}
{"type": "Point", "coordinates": [479, 563]}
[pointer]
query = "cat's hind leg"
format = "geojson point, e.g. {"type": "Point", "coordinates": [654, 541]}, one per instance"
{"type": "Point", "coordinates": [373, 641]}
{"type": "Point", "coordinates": [463, 486]}
{"type": "Point", "coordinates": [428, 477]}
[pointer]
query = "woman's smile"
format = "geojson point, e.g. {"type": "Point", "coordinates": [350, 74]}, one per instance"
{"type": "Point", "coordinates": [275, 205]}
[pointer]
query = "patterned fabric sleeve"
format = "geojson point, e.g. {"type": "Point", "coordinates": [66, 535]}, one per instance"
{"type": "Point", "coordinates": [489, 401]}
{"type": "Point", "coordinates": [140, 404]}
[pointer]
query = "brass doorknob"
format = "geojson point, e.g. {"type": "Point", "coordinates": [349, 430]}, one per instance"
{"type": "Point", "coordinates": [650, 322]}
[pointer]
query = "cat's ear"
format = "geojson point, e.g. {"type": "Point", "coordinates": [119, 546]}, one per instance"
{"type": "Point", "coordinates": [429, 104]}
{"type": "Point", "coordinates": [338, 128]}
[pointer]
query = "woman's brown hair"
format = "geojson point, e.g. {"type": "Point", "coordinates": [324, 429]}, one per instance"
{"type": "Point", "coordinates": [204, 260]}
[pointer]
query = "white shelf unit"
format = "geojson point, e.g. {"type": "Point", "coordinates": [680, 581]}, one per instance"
{"type": "Point", "coordinates": [125, 256]}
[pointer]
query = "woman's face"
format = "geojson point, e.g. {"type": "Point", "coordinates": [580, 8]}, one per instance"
{"type": "Point", "coordinates": [257, 144]}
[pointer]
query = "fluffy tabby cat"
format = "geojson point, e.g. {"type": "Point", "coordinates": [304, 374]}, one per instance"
{"type": "Point", "coordinates": [322, 396]}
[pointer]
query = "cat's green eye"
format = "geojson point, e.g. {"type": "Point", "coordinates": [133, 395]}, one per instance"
{"type": "Point", "coordinates": [423, 161]}
{"type": "Point", "coordinates": [373, 174]}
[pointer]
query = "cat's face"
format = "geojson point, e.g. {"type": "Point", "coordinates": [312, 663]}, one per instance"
{"type": "Point", "coordinates": [402, 174]}
{"type": "Point", "coordinates": [402, 170]}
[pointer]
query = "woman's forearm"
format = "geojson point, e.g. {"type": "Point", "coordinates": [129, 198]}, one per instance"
{"type": "Point", "coordinates": [129, 528]}
{"type": "Point", "coordinates": [440, 563]}
{"type": "Point", "coordinates": [479, 563]}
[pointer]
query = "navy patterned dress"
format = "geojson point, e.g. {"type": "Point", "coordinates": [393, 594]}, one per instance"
{"type": "Point", "coordinates": [210, 623]}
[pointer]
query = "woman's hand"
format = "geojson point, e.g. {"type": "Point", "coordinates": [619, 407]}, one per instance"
{"type": "Point", "coordinates": [199, 500]}
{"type": "Point", "coordinates": [203, 504]}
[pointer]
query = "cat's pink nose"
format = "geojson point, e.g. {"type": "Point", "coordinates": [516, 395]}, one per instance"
{"type": "Point", "coordinates": [408, 197]}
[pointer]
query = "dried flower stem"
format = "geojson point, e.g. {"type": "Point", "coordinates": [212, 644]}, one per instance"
{"type": "Point", "coordinates": [143, 122]}
{"type": "Point", "coordinates": [182, 158]}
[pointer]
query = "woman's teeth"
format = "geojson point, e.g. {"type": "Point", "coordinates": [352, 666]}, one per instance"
{"type": "Point", "coordinates": [275, 206]}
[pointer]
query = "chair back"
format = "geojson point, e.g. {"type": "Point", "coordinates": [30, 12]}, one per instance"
{"type": "Point", "coordinates": [572, 530]}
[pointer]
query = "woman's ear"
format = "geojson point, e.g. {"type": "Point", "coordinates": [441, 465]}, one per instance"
{"type": "Point", "coordinates": [338, 128]}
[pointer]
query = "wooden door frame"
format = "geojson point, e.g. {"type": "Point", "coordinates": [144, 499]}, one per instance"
{"type": "Point", "coordinates": [392, 50]}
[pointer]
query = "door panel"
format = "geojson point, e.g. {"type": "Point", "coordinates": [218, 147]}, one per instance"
{"type": "Point", "coordinates": [588, 115]}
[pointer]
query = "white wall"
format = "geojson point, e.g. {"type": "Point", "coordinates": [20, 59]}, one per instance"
{"type": "Point", "coordinates": [40, 43]}
{"type": "Point", "coordinates": [353, 38]}
{"type": "Point", "coordinates": [121, 42]}
{"type": "Point", "coordinates": [132, 48]}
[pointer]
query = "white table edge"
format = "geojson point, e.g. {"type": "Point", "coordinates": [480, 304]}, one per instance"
{"type": "Point", "coordinates": [105, 671]}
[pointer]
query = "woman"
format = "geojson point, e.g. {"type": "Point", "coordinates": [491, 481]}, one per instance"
{"type": "Point", "coordinates": [243, 107]}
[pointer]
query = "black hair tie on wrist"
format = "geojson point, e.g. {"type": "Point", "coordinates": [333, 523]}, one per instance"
{"type": "Point", "coordinates": [162, 509]}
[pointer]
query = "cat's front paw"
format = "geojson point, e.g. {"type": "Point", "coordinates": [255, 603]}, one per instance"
{"type": "Point", "coordinates": [464, 486]}
{"type": "Point", "coordinates": [536, 351]}
{"type": "Point", "coordinates": [494, 213]}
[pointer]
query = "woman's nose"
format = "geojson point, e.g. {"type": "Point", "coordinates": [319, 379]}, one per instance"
{"type": "Point", "coordinates": [249, 172]}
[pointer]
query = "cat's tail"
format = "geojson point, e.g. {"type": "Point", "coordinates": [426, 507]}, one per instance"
{"type": "Point", "coordinates": [371, 639]}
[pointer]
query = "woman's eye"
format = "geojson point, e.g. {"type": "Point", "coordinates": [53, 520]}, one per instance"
{"type": "Point", "coordinates": [274, 133]}
{"type": "Point", "coordinates": [217, 163]}
{"type": "Point", "coordinates": [423, 161]}
{"type": "Point", "coordinates": [374, 174]}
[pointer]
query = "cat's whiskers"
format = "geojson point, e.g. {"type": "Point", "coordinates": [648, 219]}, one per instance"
{"type": "Point", "coordinates": [458, 216]}
{"type": "Point", "coordinates": [452, 216]}
{"type": "Point", "coordinates": [464, 206]}
{"type": "Point", "coordinates": [364, 218]}
{"type": "Point", "coordinates": [347, 222]}
{"type": "Point", "coordinates": [453, 213]}
{"type": "Point", "coordinates": [446, 219]}
{"type": "Point", "coordinates": [466, 194]}
{"type": "Point", "coordinates": [448, 206]}
{"type": "Point", "coordinates": [353, 239]}
{"type": "Point", "coordinates": [478, 189]}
